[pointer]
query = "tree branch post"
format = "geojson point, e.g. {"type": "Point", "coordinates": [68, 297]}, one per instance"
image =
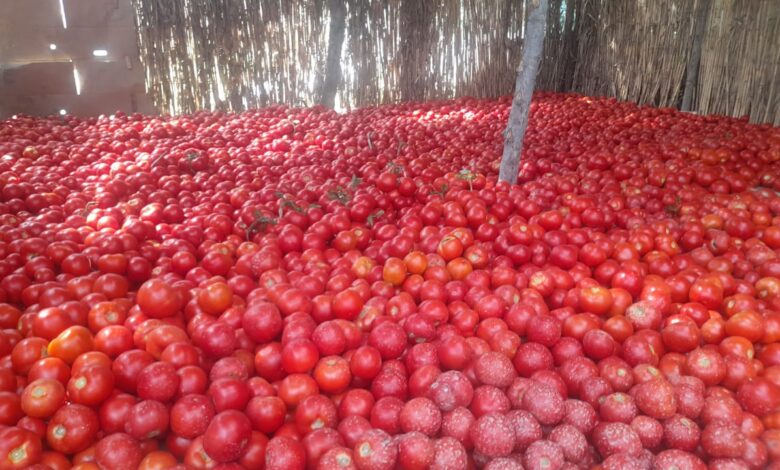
{"type": "Point", "coordinates": [338, 15]}
{"type": "Point", "coordinates": [692, 69]}
{"type": "Point", "coordinates": [570, 46]}
{"type": "Point", "coordinates": [524, 88]}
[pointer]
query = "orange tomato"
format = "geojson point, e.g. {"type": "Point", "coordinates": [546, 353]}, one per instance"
{"type": "Point", "coordinates": [71, 343]}
{"type": "Point", "coordinates": [394, 271]}
{"type": "Point", "coordinates": [416, 262]}
{"type": "Point", "coordinates": [459, 268]}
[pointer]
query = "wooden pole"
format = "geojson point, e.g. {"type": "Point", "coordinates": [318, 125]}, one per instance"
{"type": "Point", "coordinates": [569, 47]}
{"type": "Point", "coordinates": [692, 69]}
{"type": "Point", "coordinates": [524, 88]}
{"type": "Point", "coordinates": [338, 15]}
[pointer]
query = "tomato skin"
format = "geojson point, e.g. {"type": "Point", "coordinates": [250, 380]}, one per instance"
{"type": "Point", "coordinates": [26, 352]}
{"type": "Point", "coordinates": [158, 338]}
{"type": "Point", "coordinates": [127, 366]}
{"type": "Point", "coordinates": [262, 322]}
{"type": "Point", "coordinates": [104, 314]}
{"type": "Point", "coordinates": [759, 396]}
{"type": "Point", "coordinates": [42, 398]}
{"type": "Point", "coordinates": [9, 316]}
{"type": "Point", "coordinates": [395, 271]}
{"type": "Point", "coordinates": [299, 356]}
{"type": "Point", "coordinates": [50, 322]}
{"type": "Point", "coordinates": [55, 460]}
{"type": "Point", "coordinates": [147, 419]}
{"type": "Point", "coordinates": [450, 248]}
{"type": "Point", "coordinates": [72, 429]}
{"type": "Point", "coordinates": [91, 386]}
{"type": "Point", "coordinates": [50, 368]}
{"type": "Point", "coordinates": [88, 359]}
{"type": "Point", "coordinates": [191, 414]}
{"type": "Point", "coordinates": [227, 436]}
{"type": "Point", "coordinates": [157, 381]}
{"type": "Point", "coordinates": [707, 365]}
{"type": "Point", "coordinates": [157, 299]}
{"type": "Point", "coordinates": [10, 408]}
{"type": "Point", "coordinates": [266, 413]}
{"type": "Point", "coordinates": [71, 343]}
{"type": "Point", "coordinates": [215, 298]}
{"type": "Point", "coordinates": [347, 305]}
{"type": "Point", "coordinates": [112, 286]}
{"type": "Point", "coordinates": [332, 374]}
{"type": "Point", "coordinates": [295, 387]}
{"type": "Point", "coordinates": [19, 448]}
{"type": "Point", "coordinates": [216, 339]}
{"type": "Point", "coordinates": [681, 336]}
{"type": "Point", "coordinates": [118, 451]}
{"type": "Point", "coordinates": [598, 344]}
{"type": "Point", "coordinates": [285, 452]}
{"type": "Point", "coordinates": [158, 460]}
{"type": "Point", "coordinates": [747, 324]}
{"type": "Point", "coordinates": [597, 300]}
{"type": "Point", "coordinates": [113, 412]}
{"type": "Point", "coordinates": [315, 412]}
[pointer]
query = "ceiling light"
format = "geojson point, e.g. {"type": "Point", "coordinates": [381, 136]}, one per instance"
{"type": "Point", "coordinates": [100, 53]}
{"type": "Point", "coordinates": [52, 47]}
{"type": "Point", "coordinates": [63, 112]}
{"type": "Point", "coordinates": [62, 15]}
{"type": "Point", "coordinates": [77, 80]}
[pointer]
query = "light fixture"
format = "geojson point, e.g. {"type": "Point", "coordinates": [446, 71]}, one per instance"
{"type": "Point", "coordinates": [63, 112]}
{"type": "Point", "coordinates": [52, 47]}
{"type": "Point", "coordinates": [62, 15]}
{"type": "Point", "coordinates": [100, 53]}
{"type": "Point", "coordinates": [77, 80]}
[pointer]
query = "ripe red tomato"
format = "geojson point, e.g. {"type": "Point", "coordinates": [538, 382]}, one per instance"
{"type": "Point", "coordinates": [157, 299]}
{"type": "Point", "coordinates": [118, 451]}
{"type": "Point", "coordinates": [332, 374]}
{"type": "Point", "coordinates": [215, 298]}
{"type": "Point", "coordinates": [91, 385]}
{"type": "Point", "coordinates": [43, 397]}
{"type": "Point", "coordinates": [72, 429]}
{"type": "Point", "coordinates": [227, 435]}
{"type": "Point", "coordinates": [19, 448]}
{"type": "Point", "coordinates": [347, 304]}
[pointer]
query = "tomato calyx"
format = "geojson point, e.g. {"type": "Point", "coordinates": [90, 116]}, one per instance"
{"type": "Point", "coordinates": [371, 220]}
{"type": "Point", "coordinates": [467, 175]}
{"type": "Point", "coordinates": [60, 431]}
{"type": "Point", "coordinates": [260, 224]}
{"type": "Point", "coordinates": [340, 195]}
{"type": "Point", "coordinates": [365, 449]}
{"type": "Point", "coordinates": [441, 191]}
{"type": "Point", "coordinates": [18, 454]}
{"type": "Point", "coordinates": [343, 459]}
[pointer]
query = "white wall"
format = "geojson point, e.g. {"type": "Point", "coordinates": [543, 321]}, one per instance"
{"type": "Point", "coordinates": [38, 81]}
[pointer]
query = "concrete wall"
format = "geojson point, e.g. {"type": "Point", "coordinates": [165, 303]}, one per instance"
{"type": "Point", "coordinates": [39, 81]}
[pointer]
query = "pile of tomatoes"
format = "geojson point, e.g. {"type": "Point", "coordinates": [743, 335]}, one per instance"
{"type": "Point", "coordinates": [296, 288]}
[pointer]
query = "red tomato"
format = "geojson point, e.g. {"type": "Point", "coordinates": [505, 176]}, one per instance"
{"type": "Point", "coordinates": [157, 299]}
